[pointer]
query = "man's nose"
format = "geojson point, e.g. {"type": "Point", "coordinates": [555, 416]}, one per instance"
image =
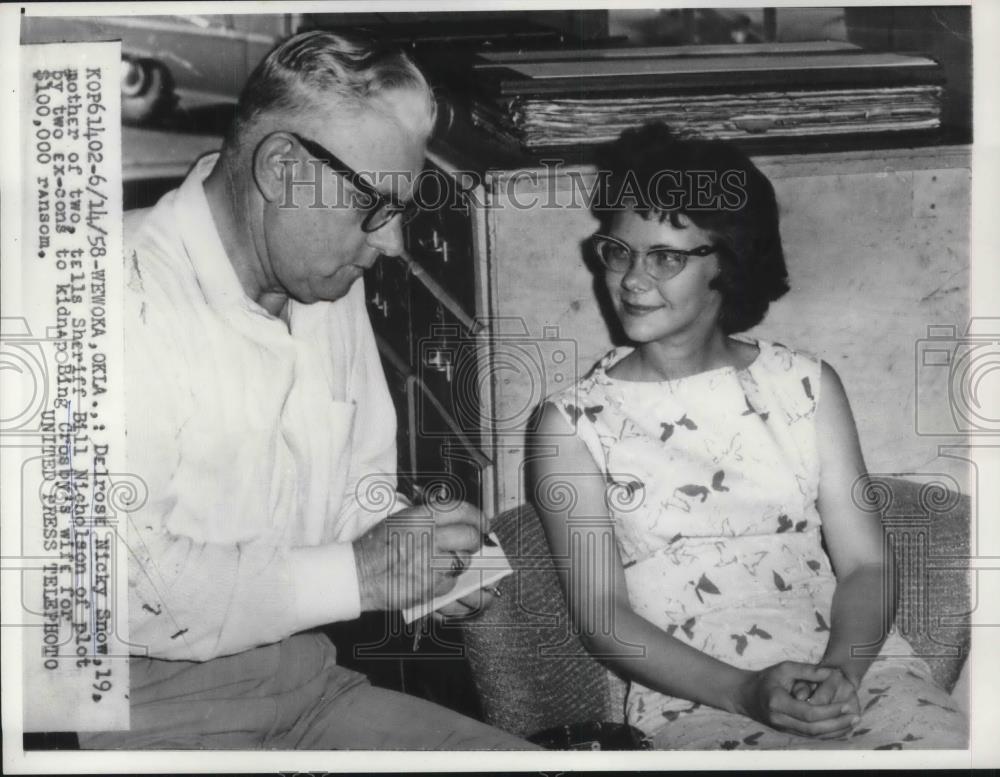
{"type": "Point", "coordinates": [388, 239]}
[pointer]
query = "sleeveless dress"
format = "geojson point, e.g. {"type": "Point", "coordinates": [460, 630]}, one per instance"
{"type": "Point", "coordinates": [713, 480]}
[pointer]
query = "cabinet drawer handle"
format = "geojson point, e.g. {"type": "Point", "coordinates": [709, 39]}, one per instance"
{"type": "Point", "coordinates": [381, 304]}
{"type": "Point", "coordinates": [439, 360]}
{"type": "Point", "coordinates": [435, 244]}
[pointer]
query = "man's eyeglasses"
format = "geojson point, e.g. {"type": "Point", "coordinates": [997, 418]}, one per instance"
{"type": "Point", "coordinates": [379, 208]}
{"type": "Point", "coordinates": [661, 263]}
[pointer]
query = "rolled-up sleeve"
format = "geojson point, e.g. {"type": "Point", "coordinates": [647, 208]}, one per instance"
{"type": "Point", "coordinates": [195, 601]}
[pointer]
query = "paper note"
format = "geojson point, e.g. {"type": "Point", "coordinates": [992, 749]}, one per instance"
{"type": "Point", "coordinates": [487, 567]}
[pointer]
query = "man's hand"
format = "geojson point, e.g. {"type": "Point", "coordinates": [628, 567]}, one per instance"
{"type": "Point", "coordinates": [469, 606]}
{"type": "Point", "coordinates": [409, 557]}
{"type": "Point", "coordinates": [767, 697]}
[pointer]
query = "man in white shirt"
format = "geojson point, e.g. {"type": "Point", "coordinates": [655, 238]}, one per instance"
{"type": "Point", "coordinates": [259, 417]}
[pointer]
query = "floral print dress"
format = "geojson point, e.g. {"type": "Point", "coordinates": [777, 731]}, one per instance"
{"type": "Point", "coordinates": [713, 480]}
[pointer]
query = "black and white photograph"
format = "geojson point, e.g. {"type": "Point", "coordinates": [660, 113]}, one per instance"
{"type": "Point", "coordinates": [596, 385]}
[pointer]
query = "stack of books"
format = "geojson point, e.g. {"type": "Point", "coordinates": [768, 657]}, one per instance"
{"type": "Point", "coordinates": [559, 98]}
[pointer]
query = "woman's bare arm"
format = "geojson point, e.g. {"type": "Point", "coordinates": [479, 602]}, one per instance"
{"type": "Point", "coordinates": [864, 602]}
{"type": "Point", "coordinates": [568, 491]}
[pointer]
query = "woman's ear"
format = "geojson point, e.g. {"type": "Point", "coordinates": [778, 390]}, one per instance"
{"type": "Point", "coordinates": [273, 167]}
{"type": "Point", "coordinates": [722, 257]}
{"type": "Point", "coordinates": [717, 279]}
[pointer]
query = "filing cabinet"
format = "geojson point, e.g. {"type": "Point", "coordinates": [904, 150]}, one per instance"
{"type": "Point", "coordinates": [467, 363]}
{"type": "Point", "coordinates": [426, 309]}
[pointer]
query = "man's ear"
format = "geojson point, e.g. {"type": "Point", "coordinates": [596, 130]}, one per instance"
{"type": "Point", "coordinates": [273, 164]}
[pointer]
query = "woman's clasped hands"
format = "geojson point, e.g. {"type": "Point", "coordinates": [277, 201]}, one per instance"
{"type": "Point", "coordinates": [798, 698]}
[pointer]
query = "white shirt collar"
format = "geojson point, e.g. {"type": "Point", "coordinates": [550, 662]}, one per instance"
{"type": "Point", "coordinates": [203, 244]}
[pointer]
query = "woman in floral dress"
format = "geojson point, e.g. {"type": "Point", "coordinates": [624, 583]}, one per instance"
{"type": "Point", "coordinates": [704, 486]}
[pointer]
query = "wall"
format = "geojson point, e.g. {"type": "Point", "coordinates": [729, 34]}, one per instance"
{"type": "Point", "coordinates": [877, 248]}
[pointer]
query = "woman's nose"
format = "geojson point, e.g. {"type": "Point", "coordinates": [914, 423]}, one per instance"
{"type": "Point", "coordinates": [388, 239]}
{"type": "Point", "coordinates": [636, 279]}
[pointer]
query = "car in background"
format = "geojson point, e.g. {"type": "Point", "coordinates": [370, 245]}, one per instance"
{"type": "Point", "coordinates": [169, 62]}
{"type": "Point", "coordinates": [180, 79]}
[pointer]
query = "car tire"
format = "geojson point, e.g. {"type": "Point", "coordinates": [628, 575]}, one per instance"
{"type": "Point", "coordinates": [147, 89]}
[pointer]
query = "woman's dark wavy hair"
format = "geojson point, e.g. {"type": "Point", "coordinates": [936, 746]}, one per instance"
{"type": "Point", "coordinates": [741, 212]}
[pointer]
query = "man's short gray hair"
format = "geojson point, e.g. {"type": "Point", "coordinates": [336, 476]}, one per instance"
{"type": "Point", "coordinates": [317, 65]}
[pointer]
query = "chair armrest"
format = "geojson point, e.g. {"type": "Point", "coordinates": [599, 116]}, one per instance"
{"type": "Point", "coordinates": [927, 527]}
{"type": "Point", "coordinates": [531, 671]}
